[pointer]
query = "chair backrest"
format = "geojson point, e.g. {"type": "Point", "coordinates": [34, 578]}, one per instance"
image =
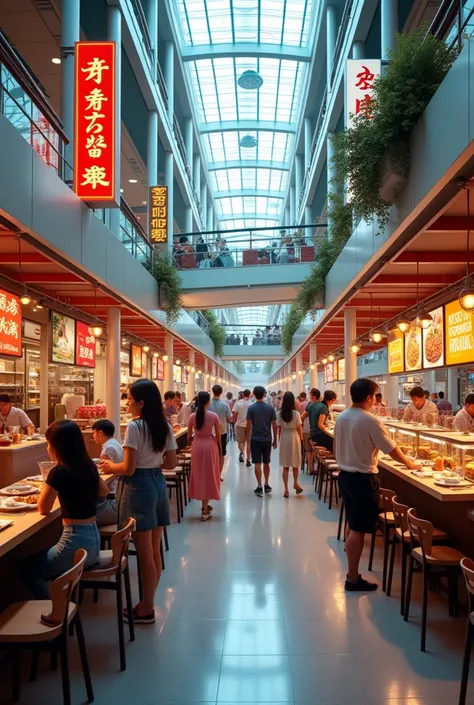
{"type": "Point", "coordinates": [385, 500]}
{"type": "Point", "coordinates": [400, 512]}
{"type": "Point", "coordinates": [120, 541]}
{"type": "Point", "coordinates": [61, 589]}
{"type": "Point", "coordinates": [421, 531]}
{"type": "Point", "coordinates": [467, 566]}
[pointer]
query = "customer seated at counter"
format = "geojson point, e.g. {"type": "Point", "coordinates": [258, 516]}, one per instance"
{"type": "Point", "coordinates": [418, 406]}
{"type": "Point", "coordinates": [76, 482]}
{"type": "Point", "coordinates": [103, 432]}
{"type": "Point", "coordinates": [12, 416]}
{"type": "Point", "coordinates": [464, 419]}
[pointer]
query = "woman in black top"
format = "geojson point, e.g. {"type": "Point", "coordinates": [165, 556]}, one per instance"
{"type": "Point", "coordinates": [76, 483]}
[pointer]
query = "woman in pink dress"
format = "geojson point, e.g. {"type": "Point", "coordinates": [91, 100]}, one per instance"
{"type": "Point", "coordinates": [205, 483]}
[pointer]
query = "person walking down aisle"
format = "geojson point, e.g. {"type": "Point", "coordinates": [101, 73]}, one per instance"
{"type": "Point", "coordinates": [240, 420]}
{"type": "Point", "coordinates": [205, 483]}
{"type": "Point", "coordinates": [317, 412]}
{"type": "Point", "coordinates": [358, 437]}
{"type": "Point", "coordinates": [290, 432]}
{"type": "Point", "coordinates": [149, 447]}
{"type": "Point", "coordinates": [261, 421]}
{"type": "Point", "coordinates": [222, 409]}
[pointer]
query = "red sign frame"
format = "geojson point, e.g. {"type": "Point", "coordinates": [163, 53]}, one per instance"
{"type": "Point", "coordinates": [85, 346]}
{"type": "Point", "coordinates": [95, 122]}
{"type": "Point", "coordinates": [10, 324]}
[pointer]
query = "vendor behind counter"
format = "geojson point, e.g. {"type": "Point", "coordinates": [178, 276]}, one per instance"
{"type": "Point", "coordinates": [419, 406]}
{"type": "Point", "coordinates": [12, 416]}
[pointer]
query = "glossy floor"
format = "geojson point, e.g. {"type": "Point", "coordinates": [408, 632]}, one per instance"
{"type": "Point", "coordinates": [252, 610]}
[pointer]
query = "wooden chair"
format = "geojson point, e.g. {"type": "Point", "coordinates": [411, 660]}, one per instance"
{"type": "Point", "coordinates": [113, 573]}
{"type": "Point", "coordinates": [442, 560]}
{"type": "Point", "coordinates": [44, 624]}
{"type": "Point", "coordinates": [402, 537]}
{"type": "Point", "coordinates": [385, 524]}
{"type": "Point", "coordinates": [468, 569]}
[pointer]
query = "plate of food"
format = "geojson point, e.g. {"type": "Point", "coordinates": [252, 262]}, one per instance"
{"type": "Point", "coordinates": [34, 478]}
{"type": "Point", "coordinates": [449, 478]}
{"type": "Point", "coordinates": [422, 473]}
{"type": "Point", "coordinates": [19, 490]}
{"type": "Point", "coordinates": [13, 504]}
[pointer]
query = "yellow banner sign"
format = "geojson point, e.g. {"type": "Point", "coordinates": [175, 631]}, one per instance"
{"type": "Point", "coordinates": [395, 356]}
{"type": "Point", "coordinates": [459, 334]}
{"type": "Point", "coordinates": [159, 213]}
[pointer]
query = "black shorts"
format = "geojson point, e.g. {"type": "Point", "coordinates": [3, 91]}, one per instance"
{"type": "Point", "coordinates": [322, 439]}
{"type": "Point", "coordinates": [224, 443]}
{"type": "Point", "coordinates": [260, 451]}
{"type": "Point", "coordinates": [360, 494]}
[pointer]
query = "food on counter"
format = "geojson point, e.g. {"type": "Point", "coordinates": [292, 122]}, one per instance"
{"type": "Point", "coordinates": [94, 411]}
{"type": "Point", "coordinates": [448, 474]}
{"type": "Point", "coordinates": [439, 463]}
{"type": "Point", "coordinates": [405, 449]}
{"type": "Point", "coordinates": [425, 453]}
{"type": "Point", "coordinates": [470, 470]}
{"type": "Point", "coordinates": [450, 463]}
{"type": "Point", "coordinates": [32, 499]}
{"type": "Point", "coordinates": [5, 441]}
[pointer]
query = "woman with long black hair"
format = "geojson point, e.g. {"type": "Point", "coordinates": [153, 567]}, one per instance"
{"type": "Point", "coordinates": [290, 432]}
{"type": "Point", "coordinates": [149, 447]}
{"type": "Point", "coordinates": [205, 483]}
{"type": "Point", "coordinates": [76, 482]}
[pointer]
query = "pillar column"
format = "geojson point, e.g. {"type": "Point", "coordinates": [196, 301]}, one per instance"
{"type": "Point", "coordinates": [152, 157]}
{"type": "Point", "coordinates": [70, 33]}
{"type": "Point", "coordinates": [189, 142]}
{"type": "Point", "coordinates": [452, 391]}
{"type": "Point", "coordinates": [308, 219]}
{"type": "Point", "coordinates": [168, 381]}
{"type": "Point", "coordinates": [169, 79]}
{"type": "Point", "coordinates": [197, 174]}
{"type": "Point", "coordinates": [299, 378]}
{"type": "Point", "coordinates": [113, 368]}
{"type": "Point", "coordinates": [169, 181]}
{"type": "Point", "coordinates": [151, 10]}
{"type": "Point", "coordinates": [286, 221]}
{"type": "Point", "coordinates": [350, 334]}
{"type": "Point", "coordinates": [191, 376]}
{"type": "Point", "coordinates": [391, 392]}
{"type": "Point", "coordinates": [44, 357]}
{"type": "Point", "coordinates": [292, 206]}
{"type": "Point", "coordinates": [204, 205]}
{"type": "Point", "coordinates": [358, 50]}
{"type": "Point", "coordinates": [298, 183]}
{"type": "Point", "coordinates": [313, 361]}
{"type": "Point", "coordinates": [209, 222]}
{"type": "Point", "coordinates": [331, 35]}
{"type": "Point", "coordinates": [430, 377]}
{"type": "Point", "coordinates": [114, 34]}
{"type": "Point", "coordinates": [308, 139]}
{"type": "Point", "coordinates": [189, 219]}
{"type": "Point", "coordinates": [388, 25]}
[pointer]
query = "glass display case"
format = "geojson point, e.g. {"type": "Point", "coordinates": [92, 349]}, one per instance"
{"type": "Point", "coordinates": [63, 379]}
{"type": "Point", "coordinates": [12, 379]}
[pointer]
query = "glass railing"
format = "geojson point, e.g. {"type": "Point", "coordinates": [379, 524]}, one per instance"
{"type": "Point", "coordinates": [245, 334]}
{"type": "Point", "coordinates": [246, 248]}
{"type": "Point", "coordinates": [24, 105]}
{"type": "Point", "coordinates": [132, 234]}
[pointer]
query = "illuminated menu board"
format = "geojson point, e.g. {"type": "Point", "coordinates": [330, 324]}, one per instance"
{"type": "Point", "coordinates": [85, 346]}
{"type": "Point", "coordinates": [329, 373]}
{"type": "Point", "coordinates": [459, 334]}
{"type": "Point", "coordinates": [413, 347]}
{"type": "Point", "coordinates": [160, 370]}
{"type": "Point", "coordinates": [135, 361]}
{"type": "Point", "coordinates": [396, 355]}
{"type": "Point", "coordinates": [177, 374]}
{"type": "Point", "coordinates": [341, 369]}
{"type": "Point", "coordinates": [10, 324]}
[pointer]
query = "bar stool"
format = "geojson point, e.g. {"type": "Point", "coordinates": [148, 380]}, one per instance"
{"type": "Point", "coordinates": [44, 624]}
{"type": "Point", "coordinates": [443, 560]}
{"type": "Point", "coordinates": [174, 481]}
{"type": "Point", "coordinates": [332, 473]}
{"type": "Point", "coordinates": [385, 524]}
{"type": "Point", "coordinates": [325, 457]}
{"type": "Point", "coordinates": [402, 536]}
{"type": "Point", "coordinates": [108, 576]}
{"type": "Point", "coordinates": [342, 519]}
{"type": "Point", "coordinates": [468, 569]}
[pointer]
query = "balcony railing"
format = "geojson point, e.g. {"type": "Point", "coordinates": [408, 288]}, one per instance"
{"type": "Point", "coordinates": [242, 248]}
{"type": "Point", "coordinates": [454, 22]}
{"type": "Point", "coordinates": [24, 104]}
{"type": "Point", "coordinates": [245, 334]}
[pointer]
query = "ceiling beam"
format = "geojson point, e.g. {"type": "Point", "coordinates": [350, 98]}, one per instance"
{"type": "Point", "coordinates": [26, 258]}
{"type": "Point", "coordinates": [391, 303]}
{"type": "Point", "coordinates": [265, 51]}
{"type": "Point", "coordinates": [50, 278]}
{"type": "Point", "coordinates": [436, 280]}
{"type": "Point", "coordinates": [247, 126]}
{"type": "Point", "coordinates": [248, 164]}
{"type": "Point", "coordinates": [431, 257]}
{"type": "Point", "coordinates": [250, 216]}
{"type": "Point", "coordinates": [450, 223]}
{"type": "Point", "coordinates": [249, 192]}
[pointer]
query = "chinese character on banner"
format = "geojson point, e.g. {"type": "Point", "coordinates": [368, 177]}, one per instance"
{"type": "Point", "coordinates": [158, 205]}
{"type": "Point", "coordinates": [94, 125]}
{"type": "Point", "coordinates": [360, 77]}
{"type": "Point", "coordinates": [85, 346]}
{"type": "Point", "coordinates": [10, 324]}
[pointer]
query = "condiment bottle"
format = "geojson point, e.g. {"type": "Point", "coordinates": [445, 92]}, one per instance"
{"type": "Point", "coordinates": [439, 464]}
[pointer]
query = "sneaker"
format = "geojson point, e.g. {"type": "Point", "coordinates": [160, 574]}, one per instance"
{"type": "Point", "coordinates": [248, 464]}
{"type": "Point", "coordinates": [138, 617]}
{"type": "Point", "coordinates": [268, 489]}
{"type": "Point", "coordinates": [259, 491]}
{"type": "Point", "coordinates": [241, 457]}
{"type": "Point", "coordinates": [360, 586]}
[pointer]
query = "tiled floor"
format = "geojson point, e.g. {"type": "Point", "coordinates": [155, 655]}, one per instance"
{"type": "Point", "coordinates": [252, 610]}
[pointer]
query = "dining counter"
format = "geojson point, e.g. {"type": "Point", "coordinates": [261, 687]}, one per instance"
{"type": "Point", "coordinates": [19, 460]}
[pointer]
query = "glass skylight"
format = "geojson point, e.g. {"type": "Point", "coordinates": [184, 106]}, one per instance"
{"type": "Point", "coordinates": [271, 146]}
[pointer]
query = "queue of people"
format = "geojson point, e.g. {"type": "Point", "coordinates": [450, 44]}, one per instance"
{"type": "Point", "coordinates": [270, 335]}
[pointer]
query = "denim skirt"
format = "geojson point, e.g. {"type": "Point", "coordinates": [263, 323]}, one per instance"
{"type": "Point", "coordinates": [143, 496]}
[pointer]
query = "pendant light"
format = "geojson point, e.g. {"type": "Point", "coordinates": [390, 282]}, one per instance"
{"type": "Point", "coordinates": [424, 319]}
{"type": "Point", "coordinates": [146, 348]}
{"type": "Point", "coordinates": [466, 297]}
{"type": "Point", "coordinates": [403, 325]}
{"type": "Point", "coordinates": [376, 335]}
{"type": "Point", "coordinates": [24, 298]}
{"type": "Point", "coordinates": [331, 358]}
{"type": "Point", "coordinates": [355, 347]}
{"type": "Point", "coordinates": [95, 329]}
{"type": "Point", "coordinates": [324, 361]}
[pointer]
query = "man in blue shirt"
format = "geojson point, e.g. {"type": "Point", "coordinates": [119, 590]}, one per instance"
{"type": "Point", "coordinates": [261, 421]}
{"type": "Point", "coordinates": [222, 409]}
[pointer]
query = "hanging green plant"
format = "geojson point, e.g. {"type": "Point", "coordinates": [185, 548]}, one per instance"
{"type": "Point", "coordinates": [170, 286]}
{"type": "Point", "coordinates": [239, 366]}
{"type": "Point", "coordinates": [268, 367]}
{"type": "Point", "coordinates": [374, 152]}
{"type": "Point", "coordinates": [216, 332]}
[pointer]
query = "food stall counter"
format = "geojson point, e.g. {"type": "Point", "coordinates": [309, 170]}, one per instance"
{"type": "Point", "coordinates": [19, 460]}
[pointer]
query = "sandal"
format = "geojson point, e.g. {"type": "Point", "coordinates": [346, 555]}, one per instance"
{"type": "Point", "coordinates": [298, 489]}
{"type": "Point", "coordinates": [138, 617]}
{"type": "Point", "coordinates": [286, 494]}
{"type": "Point", "coordinates": [205, 516]}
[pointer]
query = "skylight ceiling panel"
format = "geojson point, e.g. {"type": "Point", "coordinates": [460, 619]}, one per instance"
{"type": "Point", "coordinates": [231, 145]}
{"type": "Point", "coordinates": [206, 87]}
{"type": "Point", "coordinates": [248, 205]}
{"type": "Point", "coordinates": [261, 204]}
{"type": "Point", "coordinates": [297, 14]}
{"type": "Point", "coordinates": [263, 179]}
{"type": "Point", "coordinates": [224, 78]}
{"type": "Point", "coordinates": [195, 11]}
{"type": "Point", "coordinates": [220, 21]}
{"type": "Point", "coordinates": [234, 179]}
{"type": "Point", "coordinates": [226, 205]}
{"type": "Point", "coordinates": [271, 23]}
{"type": "Point", "coordinates": [215, 146]}
{"type": "Point", "coordinates": [245, 20]}
{"type": "Point", "coordinates": [221, 180]}
{"type": "Point", "coordinates": [249, 178]}
{"type": "Point", "coordinates": [237, 204]}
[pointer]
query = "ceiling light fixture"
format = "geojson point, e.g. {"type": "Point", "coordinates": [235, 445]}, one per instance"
{"type": "Point", "coordinates": [56, 60]}
{"type": "Point", "coordinates": [331, 358]}
{"type": "Point", "coordinates": [403, 325]}
{"type": "Point", "coordinates": [155, 354]}
{"type": "Point", "coordinates": [324, 361]}
{"type": "Point", "coordinates": [423, 319]}
{"type": "Point", "coordinates": [376, 336]}
{"type": "Point", "coordinates": [355, 347]}
{"type": "Point", "coordinates": [250, 80]}
{"type": "Point", "coordinates": [95, 329]}
{"type": "Point", "coordinates": [133, 181]}
{"type": "Point", "coordinates": [248, 141]}
{"type": "Point", "coordinates": [146, 348]}
{"type": "Point", "coordinates": [165, 358]}
{"type": "Point", "coordinates": [24, 298]}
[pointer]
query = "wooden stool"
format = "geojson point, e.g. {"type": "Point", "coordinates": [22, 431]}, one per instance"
{"type": "Point", "coordinates": [174, 481]}
{"type": "Point", "coordinates": [342, 518]}
{"type": "Point", "coordinates": [324, 458]}
{"type": "Point", "coordinates": [442, 560]}
{"type": "Point", "coordinates": [468, 569]}
{"type": "Point", "coordinates": [21, 627]}
{"type": "Point", "coordinates": [385, 524]}
{"type": "Point", "coordinates": [402, 536]}
{"type": "Point", "coordinates": [332, 473]}
{"type": "Point", "coordinates": [108, 576]}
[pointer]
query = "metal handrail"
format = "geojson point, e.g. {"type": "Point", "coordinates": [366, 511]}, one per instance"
{"type": "Point", "coordinates": [17, 68]}
{"type": "Point", "coordinates": [132, 218]}
{"type": "Point", "coordinates": [346, 15]}
{"type": "Point", "coordinates": [444, 18]}
{"type": "Point", "coordinates": [161, 83]}
{"type": "Point", "coordinates": [143, 24]}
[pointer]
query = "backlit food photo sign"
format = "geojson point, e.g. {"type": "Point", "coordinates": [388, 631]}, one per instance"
{"type": "Point", "coordinates": [10, 324]}
{"type": "Point", "coordinates": [95, 123]}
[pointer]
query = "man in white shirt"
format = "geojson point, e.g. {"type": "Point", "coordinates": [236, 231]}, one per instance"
{"type": "Point", "coordinates": [239, 413]}
{"type": "Point", "coordinates": [12, 416]}
{"type": "Point", "coordinates": [184, 411]}
{"type": "Point", "coordinates": [464, 419]}
{"type": "Point", "coordinates": [419, 406]}
{"type": "Point", "coordinates": [103, 432]}
{"type": "Point", "coordinates": [358, 437]}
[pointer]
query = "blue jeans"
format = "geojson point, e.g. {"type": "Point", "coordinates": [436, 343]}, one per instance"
{"type": "Point", "coordinates": [40, 569]}
{"type": "Point", "coordinates": [143, 496]}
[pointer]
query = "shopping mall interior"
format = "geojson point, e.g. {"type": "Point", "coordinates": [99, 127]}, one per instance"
{"type": "Point", "coordinates": [317, 156]}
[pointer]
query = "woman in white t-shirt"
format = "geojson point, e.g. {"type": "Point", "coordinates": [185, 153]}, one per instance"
{"type": "Point", "coordinates": [149, 447]}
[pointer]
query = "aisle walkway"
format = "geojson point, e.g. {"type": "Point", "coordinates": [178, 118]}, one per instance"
{"type": "Point", "coordinates": [253, 610]}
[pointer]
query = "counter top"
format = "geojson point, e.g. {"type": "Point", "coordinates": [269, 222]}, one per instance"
{"type": "Point", "coordinates": [443, 494]}
{"type": "Point", "coordinates": [453, 437]}
{"type": "Point", "coordinates": [16, 447]}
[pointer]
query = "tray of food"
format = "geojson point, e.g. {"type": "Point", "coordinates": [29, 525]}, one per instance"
{"type": "Point", "coordinates": [19, 490]}
{"type": "Point", "coordinates": [450, 479]}
{"type": "Point", "coordinates": [17, 504]}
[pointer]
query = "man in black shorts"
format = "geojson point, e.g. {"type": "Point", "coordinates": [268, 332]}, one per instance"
{"type": "Point", "coordinates": [261, 420]}
{"type": "Point", "coordinates": [358, 437]}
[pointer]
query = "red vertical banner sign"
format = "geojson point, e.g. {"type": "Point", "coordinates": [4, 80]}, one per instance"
{"type": "Point", "coordinates": [85, 346]}
{"type": "Point", "coordinates": [95, 123]}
